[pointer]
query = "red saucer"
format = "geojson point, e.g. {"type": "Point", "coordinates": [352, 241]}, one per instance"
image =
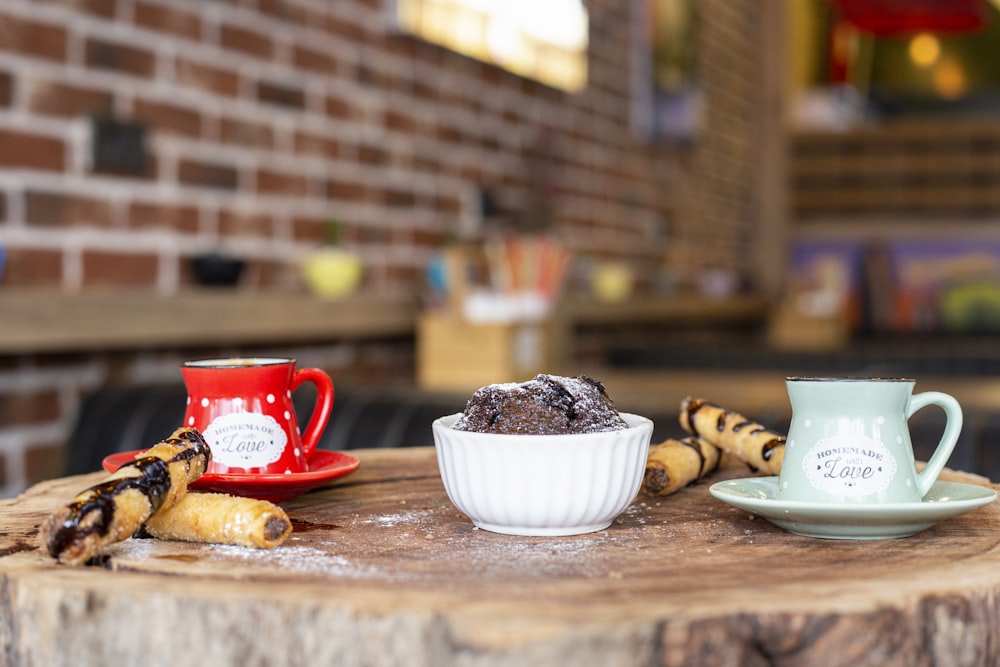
{"type": "Point", "coordinates": [324, 466]}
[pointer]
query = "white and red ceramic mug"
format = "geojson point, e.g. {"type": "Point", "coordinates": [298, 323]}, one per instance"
{"type": "Point", "coordinates": [244, 409]}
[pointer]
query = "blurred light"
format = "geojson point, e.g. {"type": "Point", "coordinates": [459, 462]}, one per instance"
{"type": "Point", "coordinates": [544, 40]}
{"type": "Point", "coordinates": [503, 38]}
{"type": "Point", "coordinates": [925, 49]}
{"type": "Point", "coordinates": [949, 79]}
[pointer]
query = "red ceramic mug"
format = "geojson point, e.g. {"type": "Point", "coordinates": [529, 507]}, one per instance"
{"type": "Point", "coordinates": [244, 409]}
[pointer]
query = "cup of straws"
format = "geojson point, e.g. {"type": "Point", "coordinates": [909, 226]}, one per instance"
{"type": "Point", "coordinates": [523, 278]}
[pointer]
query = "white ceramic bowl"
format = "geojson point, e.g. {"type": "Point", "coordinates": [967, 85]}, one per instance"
{"type": "Point", "coordinates": [542, 484]}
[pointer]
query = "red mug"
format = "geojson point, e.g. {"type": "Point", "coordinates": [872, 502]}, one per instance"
{"type": "Point", "coordinates": [243, 408]}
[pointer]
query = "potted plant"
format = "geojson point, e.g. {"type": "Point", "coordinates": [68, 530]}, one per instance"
{"type": "Point", "coordinates": [330, 271]}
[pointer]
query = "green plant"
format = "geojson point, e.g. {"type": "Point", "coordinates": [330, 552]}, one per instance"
{"type": "Point", "coordinates": [332, 232]}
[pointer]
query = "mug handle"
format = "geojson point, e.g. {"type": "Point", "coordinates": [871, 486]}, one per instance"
{"type": "Point", "coordinates": [321, 411]}
{"type": "Point", "coordinates": [952, 428]}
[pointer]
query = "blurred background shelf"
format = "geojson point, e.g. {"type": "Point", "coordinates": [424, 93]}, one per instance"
{"type": "Point", "coordinates": [35, 321]}
{"type": "Point", "coordinates": [681, 308]}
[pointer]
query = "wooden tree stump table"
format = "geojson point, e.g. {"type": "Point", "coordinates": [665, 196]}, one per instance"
{"type": "Point", "coordinates": [383, 570]}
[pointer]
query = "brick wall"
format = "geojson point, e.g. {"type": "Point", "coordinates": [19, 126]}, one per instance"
{"type": "Point", "coordinates": [266, 118]}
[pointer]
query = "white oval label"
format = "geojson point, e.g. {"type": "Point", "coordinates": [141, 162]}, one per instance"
{"type": "Point", "coordinates": [246, 440]}
{"type": "Point", "coordinates": [849, 465]}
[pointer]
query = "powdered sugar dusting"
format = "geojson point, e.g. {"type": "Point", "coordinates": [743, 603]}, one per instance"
{"type": "Point", "coordinates": [297, 558]}
{"type": "Point", "coordinates": [545, 405]}
{"type": "Point", "coordinates": [413, 517]}
{"type": "Point", "coordinates": [283, 560]}
{"type": "Point", "coordinates": [432, 545]}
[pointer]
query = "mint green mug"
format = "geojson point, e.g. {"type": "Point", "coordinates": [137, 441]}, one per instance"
{"type": "Point", "coordinates": [849, 441]}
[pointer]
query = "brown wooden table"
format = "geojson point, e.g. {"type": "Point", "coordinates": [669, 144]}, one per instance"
{"type": "Point", "coordinates": [383, 570]}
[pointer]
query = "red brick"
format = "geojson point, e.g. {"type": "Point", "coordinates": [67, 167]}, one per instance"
{"type": "Point", "coordinates": [352, 233]}
{"type": "Point", "coordinates": [367, 75]}
{"type": "Point", "coordinates": [149, 172]}
{"type": "Point", "coordinates": [375, 235]}
{"type": "Point", "coordinates": [239, 223]}
{"type": "Point", "coordinates": [309, 229]}
{"type": "Point", "coordinates": [246, 133]}
{"type": "Point", "coordinates": [167, 19]}
{"type": "Point", "coordinates": [281, 95]}
{"type": "Point", "coordinates": [192, 172]}
{"type": "Point", "coordinates": [28, 407]}
{"type": "Point", "coordinates": [6, 89]}
{"type": "Point", "coordinates": [104, 8]}
{"type": "Point", "coordinates": [275, 182]}
{"type": "Point", "coordinates": [123, 58]}
{"type": "Point", "coordinates": [338, 107]}
{"type": "Point", "coordinates": [403, 46]}
{"type": "Point", "coordinates": [165, 117]}
{"type": "Point", "coordinates": [474, 174]}
{"type": "Point", "coordinates": [429, 238]}
{"type": "Point", "coordinates": [32, 38]}
{"type": "Point", "coordinates": [311, 59]}
{"type": "Point", "coordinates": [346, 191]}
{"type": "Point", "coordinates": [450, 134]}
{"type": "Point", "coordinates": [180, 218]}
{"type": "Point", "coordinates": [395, 198]}
{"type": "Point", "coordinates": [207, 77]}
{"type": "Point", "coordinates": [426, 164]}
{"type": "Point", "coordinates": [372, 155]}
{"type": "Point", "coordinates": [67, 100]}
{"type": "Point", "coordinates": [102, 269]}
{"type": "Point", "coordinates": [52, 209]}
{"type": "Point", "coordinates": [288, 11]}
{"type": "Point", "coordinates": [31, 151]}
{"type": "Point", "coordinates": [402, 122]}
{"type": "Point", "coordinates": [44, 461]}
{"type": "Point", "coordinates": [345, 29]}
{"type": "Point", "coordinates": [27, 267]}
{"type": "Point", "coordinates": [317, 144]}
{"type": "Point", "coordinates": [448, 204]}
{"type": "Point", "coordinates": [425, 91]}
{"type": "Point", "coordinates": [246, 41]}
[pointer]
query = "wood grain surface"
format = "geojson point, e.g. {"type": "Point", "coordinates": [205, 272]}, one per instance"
{"type": "Point", "coordinates": [383, 570]}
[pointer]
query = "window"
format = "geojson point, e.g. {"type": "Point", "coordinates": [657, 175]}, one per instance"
{"type": "Point", "coordinates": [545, 41]}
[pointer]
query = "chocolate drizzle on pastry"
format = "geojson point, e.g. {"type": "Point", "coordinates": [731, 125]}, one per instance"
{"type": "Point", "coordinates": [758, 446]}
{"type": "Point", "coordinates": [117, 507]}
{"type": "Point", "coordinates": [92, 512]}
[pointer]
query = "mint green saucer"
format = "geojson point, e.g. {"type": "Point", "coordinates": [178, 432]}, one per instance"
{"type": "Point", "coordinates": [852, 522]}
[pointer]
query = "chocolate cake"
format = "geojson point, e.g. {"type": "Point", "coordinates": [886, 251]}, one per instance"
{"type": "Point", "coordinates": [545, 405]}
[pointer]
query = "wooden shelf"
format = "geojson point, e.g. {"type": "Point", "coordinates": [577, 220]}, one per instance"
{"type": "Point", "coordinates": [33, 321]}
{"type": "Point", "coordinates": [48, 321]}
{"type": "Point", "coordinates": [665, 310]}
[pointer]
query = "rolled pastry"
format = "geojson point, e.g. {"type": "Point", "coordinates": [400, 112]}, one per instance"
{"type": "Point", "coordinates": [218, 518]}
{"type": "Point", "coordinates": [673, 464]}
{"type": "Point", "coordinates": [761, 448]}
{"type": "Point", "coordinates": [117, 507]}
